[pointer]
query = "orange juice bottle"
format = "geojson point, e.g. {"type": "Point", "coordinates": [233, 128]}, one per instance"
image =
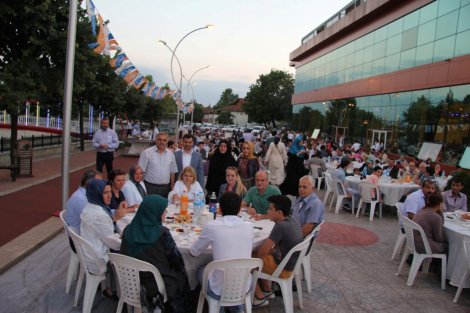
{"type": "Point", "coordinates": [408, 178]}
{"type": "Point", "coordinates": [184, 204]}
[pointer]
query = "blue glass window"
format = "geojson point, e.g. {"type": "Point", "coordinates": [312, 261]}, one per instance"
{"type": "Point", "coordinates": [464, 20]}
{"type": "Point", "coordinates": [394, 44]}
{"type": "Point", "coordinates": [428, 13]}
{"type": "Point", "coordinates": [424, 54]}
{"type": "Point", "coordinates": [462, 44]}
{"type": "Point", "coordinates": [407, 58]}
{"type": "Point", "coordinates": [446, 6]}
{"type": "Point", "coordinates": [409, 39]}
{"type": "Point", "coordinates": [444, 49]}
{"type": "Point", "coordinates": [426, 32]}
{"type": "Point", "coordinates": [446, 25]}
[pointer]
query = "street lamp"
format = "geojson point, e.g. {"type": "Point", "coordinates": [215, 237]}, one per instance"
{"type": "Point", "coordinates": [173, 56]}
{"type": "Point", "coordinates": [191, 83]}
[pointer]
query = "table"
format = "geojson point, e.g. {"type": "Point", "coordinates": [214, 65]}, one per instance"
{"type": "Point", "coordinates": [457, 231]}
{"type": "Point", "coordinates": [191, 263]}
{"type": "Point", "coordinates": [392, 191]}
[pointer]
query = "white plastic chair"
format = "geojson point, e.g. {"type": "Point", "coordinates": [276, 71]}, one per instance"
{"type": "Point", "coordinates": [286, 283]}
{"type": "Point", "coordinates": [127, 270]}
{"type": "Point", "coordinates": [466, 249]}
{"type": "Point", "coordinates": [72, 272]}
{"type": "Point", "coordinates": [418, 258]}
{"type": "Point", "coordinates": [315, 173]}
{"type": "Point", "coordinates": [367, 190]}
{"type": "Point", "coordinates": [401, 238]}
{"type": "Point", "coordinates": [329, 189]}
{"type": "Point", "coordinates": [92, 279]}
{"type": "Point", "coordinates": [237, 273]}
{"type": "Point", "coordinates": [306, 266]}
{"type": "Point", "coordinates": [342, 193]}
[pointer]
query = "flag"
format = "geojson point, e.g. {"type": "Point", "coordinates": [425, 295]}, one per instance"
{"type": "Point", "coordinates": [154, 92]}
{"type": "Point", "coordinates": [126, 71]}
{"type": "Point", "coordinates": [138, 81]}
{"type": "Point", "coordinates": [129, 78]}
{"type": "Point", "coordinates": [159, 92]}
{"type": "Point", "coordinates": [90, 9]}
{"type": "Point", "coordinates": [146, 87]}
{"type": "Point", "coordinates": [150, 90]}
{"type": "Point", "coordinates": [125, 65]}
{"type": "Point", "coordinates": [118, 59]}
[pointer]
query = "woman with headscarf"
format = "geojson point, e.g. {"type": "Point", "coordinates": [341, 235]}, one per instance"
{"type": "Point", "coordinates": [295, 168]}
{"type": "Point", "coordinates": [218, 163]}
{"type": "Point", "coordinates": [97, 227]}
{"type": "Point", "coordinates": [146, 239]}
{"type": "Point", "coordinates": [248, 164]}
{"type": "Point", "coordinates": [134, 189]}
{"type": "Point", "coordinates": [275, 160]}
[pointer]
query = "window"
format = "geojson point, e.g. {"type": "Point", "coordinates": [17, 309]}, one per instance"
{"type": "Point", "coordinates": [426, 32]}
{"type": "Point", "coordinates": [446, 25]}
{"type": "Point", "coordinates": [409, 39]}
{"type": "Point", "coordinates": [444, 49]}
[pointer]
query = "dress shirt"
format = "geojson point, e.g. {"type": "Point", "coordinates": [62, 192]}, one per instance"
{"type": "Point", "coordinates": [98, 230]}
{"type": "Point", "coordinates": [340, 174]}
{"type": "Point", "coordinates": [180, 188]}
{"type": "Point", "coordinates": [74, 207]}
{"type": "Point", "coordinates": [414, 202]}
{"type": "Point", "coordinates": [131, 194]}
{"type": "Point", "coordinates": [158, 166]}
{"type": "Point", "coordinates": [186, 158]}
{"type": "Point", "coordinates": [107, 137]}
{"type": "Point", "coordinates": [230, 238]}
{"type": "Point", "coordinates": [452, 203]}
{"type": "Point", "coordinates": [308, 210]}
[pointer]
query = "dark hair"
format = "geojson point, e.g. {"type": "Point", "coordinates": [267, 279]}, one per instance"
{"type": "Point", "coordinates": [377, 168]}
{"type": "Point", "coordinates": [116, 172]}
{"type": "Point", "coordinates": [170, 143]}
{"type": "Point", "coordinates": [456, 180]}
{"type": "Point", "coordinates": [188, 136]}
{"type": "Point", "coordinates": [430, 181]}
{"type": "Point", "coordinates": [87, 176]}
{"type": "Point", "coordinates": [433, 199]}
{"type": "Point", "coordinates": [430, 170]}
{"type": "Point", "coordinates": [281, 203]}
{"type": "Point", "coordinates": [318, 154]}
{"type": "Point", "coordinates": [230, 203]}
{"type": "Point", "coordinates": [344, 163]}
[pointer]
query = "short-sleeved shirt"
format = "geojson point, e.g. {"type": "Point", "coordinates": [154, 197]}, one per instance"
{"type": "Point", "coordinates": [308, 210]}
{"type": "Point", "coordinates": [286, 234]}
{"type": "Point", "coordinates": [414, 202]}
{"type": "Point", "coordinates": [260, 201]}
{"type": "Point", "coordinates": [158, 166]}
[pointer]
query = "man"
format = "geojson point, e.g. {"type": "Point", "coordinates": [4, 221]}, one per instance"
{"type": "Point", "coordinates": [188, 157]}
{"type": "Point", "coordinates": [454, 199]}
{"type": "Point", "coordinates": [105, 141]}
{"type": "Point", "coordinates": [412, 170]}
{"type": "Point", "coordinates": [78, 201]}
{"type": "Point", "coordinates": [356, 146]}
{"type": "Point", "coordinates": [285, 235]}
{"type": "Point", "coordinates": [258, 196]}
{"type": "Point", "coordinates": [230, 238]}
{"type": "Point", "coordinates": [421, 172]}
{"type": "Point", "coordinates": [159, 166]}
{"type": "Point", "coordinates": [392, 169]}
{"type": "Point", "coordinates": [416, 200]}
{"type": "Point", "coordinates": [307, 209]}
{"type": "Point", "coordinates": [317, 160]}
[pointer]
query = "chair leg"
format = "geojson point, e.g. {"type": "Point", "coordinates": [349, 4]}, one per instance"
{"type": "Point", "coordinates": [298, 284]}
{"type": "Point", "coordinates": [372, 210]}
{"type": "Point", "coordinates": [443, 271]}
{"type": "Point", "coordinates": [339, 202]}
{"type": "Point", "coordinates": [417, 260]}
{"type": "Point", "coordinates": [287, 297]}
{"type": "Point", "coordinates": [72, 270]}
{"type": "Point", "coordinates": [91, 286]}
{"type": "Point", "coordinates": [406, 254]}
{"type": "Point", "coordinates": [459, 290]}
{"type": "Point", "coordinates": [398, 245]}
{"type": "Point", "coordinates": [78, 288]}
{"type": "Point", "coordinates": [200, 303]}
{"type": "Point", "coordinates": [307, 272]}
{"type": "Point", "coordinates": [248, 303]}
{"type": "Point", "coordinates": [426, 264]}
{"type": "Point", "coordinates": [359, 207]}
{"type": "Point", "coordinates": [120, 306]}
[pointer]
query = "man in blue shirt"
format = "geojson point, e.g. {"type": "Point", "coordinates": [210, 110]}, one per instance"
{"type": "Point", "coordinates": [105, 141]}
{"type": "Point", "coordinates": [307, 209]}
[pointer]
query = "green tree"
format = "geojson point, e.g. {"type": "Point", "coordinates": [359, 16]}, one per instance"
{"type": "Point", "coordinates": [419, 114]}
{"type": "Point", "coordinates": [225, 118]}
{"type": "Point", "coordinates": [308, 119]}
{"type": "Point", "coordinates": [227, 98]}
{"type": "Point", "coordinates": [269, 99]}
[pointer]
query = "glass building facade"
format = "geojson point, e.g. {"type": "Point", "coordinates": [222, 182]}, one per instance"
{"type": "Point", "coordinates": [436, 32]}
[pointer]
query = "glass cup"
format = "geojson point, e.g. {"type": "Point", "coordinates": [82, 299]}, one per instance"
{"type": "Point", "coordinates": [187, 231]}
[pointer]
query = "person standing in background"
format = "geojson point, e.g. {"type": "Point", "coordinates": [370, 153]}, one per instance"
{"type": "Point", "coordinates": [105, 141]}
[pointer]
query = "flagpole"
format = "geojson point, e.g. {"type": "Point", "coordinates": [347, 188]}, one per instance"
{"type": "Point", "coordinates": [69, 68]}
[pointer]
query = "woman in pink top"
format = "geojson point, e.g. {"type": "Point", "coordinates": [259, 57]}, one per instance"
{"type": "Point", "coordinates": [374, 179]}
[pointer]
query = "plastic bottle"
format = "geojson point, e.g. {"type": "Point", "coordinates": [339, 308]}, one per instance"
{"type": "Point", "coordinates": [197, 208]}
{"type": "Point", "coordinates": [213, 204]}
{"type": "Point", "coordinates": [184, 204]}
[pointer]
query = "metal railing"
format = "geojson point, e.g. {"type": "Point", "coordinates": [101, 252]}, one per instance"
{"type": "Point", "coordinates": [53, 122]}
{"type": "Point", "coordinates": [39, 141]}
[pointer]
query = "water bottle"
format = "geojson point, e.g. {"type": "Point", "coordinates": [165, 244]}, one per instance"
{"type": "Point", "coordinates": [197, 208]}
{"type": "Point", "coordinates": [213, 204]}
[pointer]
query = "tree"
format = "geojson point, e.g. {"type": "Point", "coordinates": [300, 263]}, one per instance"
{"type": "Point", "coordinates": [270, 98]}
{"type": "Point", "coordinates": [225, 118]}
{"type": "Point", "coordinates": [307, 119]}
{"type": "Point", "coordinates": [227, 98]}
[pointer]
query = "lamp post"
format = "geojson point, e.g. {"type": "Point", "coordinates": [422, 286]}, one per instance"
{"type": "Point", "coordinates": [191, 84]}
{"type": "Point", "coordinates": [173, 56]}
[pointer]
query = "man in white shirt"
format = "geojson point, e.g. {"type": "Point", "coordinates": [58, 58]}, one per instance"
{"type": "Point", "coordinates": [187, 157]}
{"type": "Point", "coordinates": [356, 146]}
{"type": "Point", "coordinates": [416, 200]}
{"type": "Point", "coordinates": [105, 141]}
{"type": "Point", "coordinates": [159, 166]}
{"type": "Point", "coordinates": [230, 238]}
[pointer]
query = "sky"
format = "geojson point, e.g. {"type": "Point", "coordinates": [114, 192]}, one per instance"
{"type": "Point", "coordinates": [250, 38]}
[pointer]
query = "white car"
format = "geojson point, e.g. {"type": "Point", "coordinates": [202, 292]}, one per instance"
{"type": "Point", "coordinates": [256, 130]}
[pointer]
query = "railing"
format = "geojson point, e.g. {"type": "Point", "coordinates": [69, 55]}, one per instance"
{"type": "Point", "coordinates": [39, 141]}
{"type": "Point", "coordinates": [52, 122]}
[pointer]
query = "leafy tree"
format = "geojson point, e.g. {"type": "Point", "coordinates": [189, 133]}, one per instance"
{"type": "Point", "coordinates": [419, 114]}
{"type": "Point", "coordinates": [308, 119]}
{"type": "Point", "coordinates": [269, 99]}
{"type": "Point", "coordinates": [227, 98]}
{"type": "Point", "coordinates": [225, 117]}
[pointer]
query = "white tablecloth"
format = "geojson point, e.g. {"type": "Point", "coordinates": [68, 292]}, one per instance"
{"type": "Point", "coordinates": [191, 263]}
{"type": "Point", "coordinates": [392, 191]}
{"type": "Point", "coordinates": [457, 231]}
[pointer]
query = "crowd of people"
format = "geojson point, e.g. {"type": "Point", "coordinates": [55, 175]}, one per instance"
{"type": "Point", "coordinates": [253, 173]}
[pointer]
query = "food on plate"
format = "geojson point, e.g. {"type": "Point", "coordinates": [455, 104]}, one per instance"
{"type": "Point", "coordinates": [183, 219]}
{"type": "Point", "coordinates": [465, 216]}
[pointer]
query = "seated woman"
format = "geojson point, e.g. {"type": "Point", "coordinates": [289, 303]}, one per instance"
{"type": "Point", "coordinates": [234, 183]}
{"type": "Point", "coordinates": [186, 182]}
{"type": "Point", "coordinates": [431, 219]}
{"type": "Point", "coordinates": [117, 178]}
{"type": "Point", "coordinates": [146, 239]}
{"type": "Point", "coordinates": [134, 189]}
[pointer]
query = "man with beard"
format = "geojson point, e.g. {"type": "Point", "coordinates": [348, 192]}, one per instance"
{"type": "Point", "coordinates": [416, 200]}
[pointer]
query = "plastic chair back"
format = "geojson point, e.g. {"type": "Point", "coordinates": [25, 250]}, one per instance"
{"type": "Point", "coordinates": [314, 171]}
{"type": "Point", "coordinates": [127, 271]}
{"type": "Point", "coordinates": [339, 187]}
{"type": "Point", "coordinates": [300, 249]}
{"type": "Point", "coordinates": [88, 257]}
{"type": "Point", "coordinates": [410, 228]}
{"type": "Point", "coordinates": [368, 190]}
{"type": "Point", "coordinates": [400, 211]}
{"type": "Point", "coordinates": [329, 181]}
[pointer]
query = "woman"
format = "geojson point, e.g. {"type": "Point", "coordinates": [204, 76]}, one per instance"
{"type": "Point", "coordinates": [134, 189]}
{"type": "Point", "coordinates": [117, 177]}
{"type": "Point", "coordinates": [146, 239]}
{"type": "Point", "coordinates": [248, 165]}
{"type": "Point", "coordinates": [275, 160]}
{"type": "Point", "coordinates": [234, 183]}
{"type": "Point", "coordinates": [431, 219]}
{"type": "Point", "coordinates": [295, 167]}
{"type": "Point", "coordinates": [98, 229]}
{"type": "Point", "coordinates": [188, 183]}
{"type": "Point", "coordinates": [218, 163]}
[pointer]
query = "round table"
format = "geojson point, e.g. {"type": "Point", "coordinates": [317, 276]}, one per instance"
{"type": "Point", "coordinates": [457, 231]}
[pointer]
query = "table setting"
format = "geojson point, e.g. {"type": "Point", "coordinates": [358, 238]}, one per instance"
{"type": "Point", "coordinates": [457, 230]}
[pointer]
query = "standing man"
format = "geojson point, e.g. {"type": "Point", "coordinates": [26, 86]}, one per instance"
{"type": "Point", "coordinates": [188, 157]}
{"type": "Point", "coordinates": [258, 196]}
{"type": "Point", "coordinates": [105, 141]}
{"type": "Point", "coordinates": [307, 209]}
{"type": "Point", "coordinates": [159, 166]}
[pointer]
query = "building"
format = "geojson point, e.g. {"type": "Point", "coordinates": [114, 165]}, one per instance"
{"type": "Point", "coordinates": [240, 117]}
{"type": "Point", "coordinates": [390, 70]}
{"type": "Point", "coordinates": [209, 115]}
